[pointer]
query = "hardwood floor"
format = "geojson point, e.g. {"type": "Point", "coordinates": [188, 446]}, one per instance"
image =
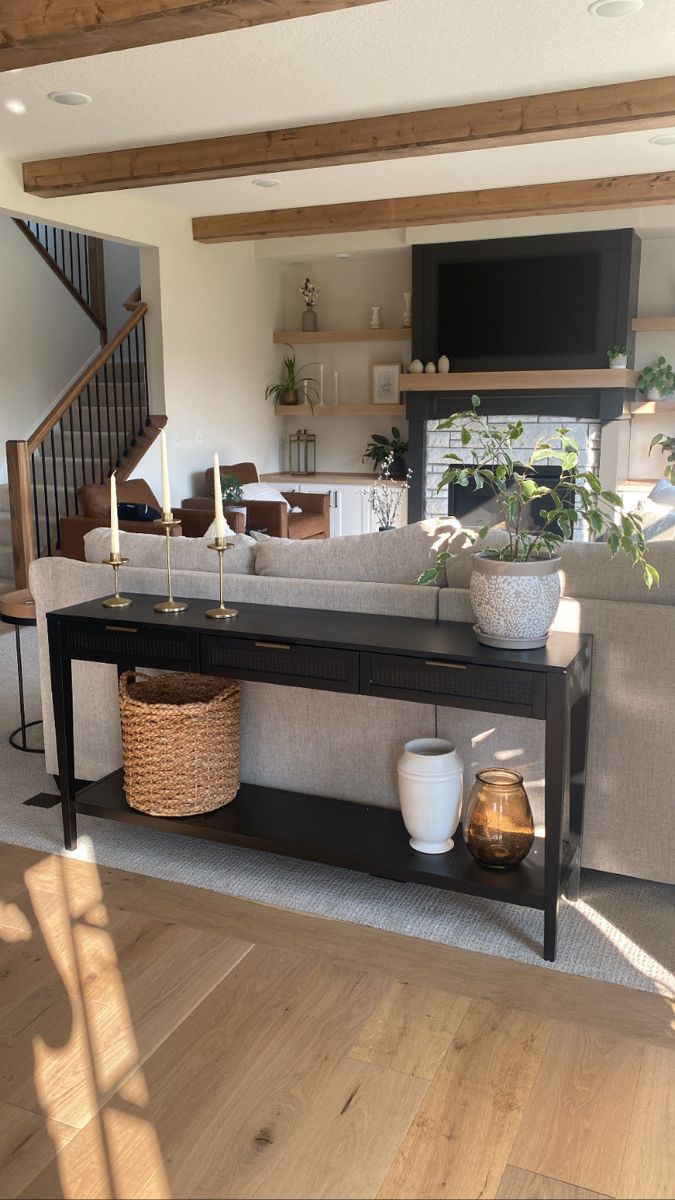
{"type": "Point", "coordinates": [161, 1041]}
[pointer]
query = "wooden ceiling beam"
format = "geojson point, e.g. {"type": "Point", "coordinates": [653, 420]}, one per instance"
{"type": "Point", "coordinates": [531, 200]}
{"type": "Point", "coordinates": [40, 31]}
{"type": "Point", "coordinates": [583, 112]}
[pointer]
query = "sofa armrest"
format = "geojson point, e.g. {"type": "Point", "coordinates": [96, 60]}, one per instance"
{"type": "Point", "coordinates": [314, 502]}
{"type": "Point", "coordinates": [73, 530]}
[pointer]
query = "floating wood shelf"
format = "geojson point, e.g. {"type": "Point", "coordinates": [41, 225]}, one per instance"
{"type": "Point", "coordinates": [646, 408]}
{"type": "Point", "coordinates": [653, 324]}
{"type": "Point", "coordinates": [475, 381]}
{"type": "Point", "coordinates": [297, 336]}
{"type": "Point", "coordinates": [341, 410]}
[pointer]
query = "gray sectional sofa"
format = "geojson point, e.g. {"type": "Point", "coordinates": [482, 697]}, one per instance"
{"type": "Point", "coordinates": [347, 746]}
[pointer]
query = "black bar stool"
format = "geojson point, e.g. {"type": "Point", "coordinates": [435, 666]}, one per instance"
{"type": "Point", "coordinates": [17, 609]}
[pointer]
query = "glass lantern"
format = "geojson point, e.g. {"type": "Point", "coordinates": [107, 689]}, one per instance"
{"type": "Point", "coordinates": [302, 453]}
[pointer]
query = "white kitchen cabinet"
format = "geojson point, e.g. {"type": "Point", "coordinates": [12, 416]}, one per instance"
{"type": "Point", "coordinates": [350, 511]}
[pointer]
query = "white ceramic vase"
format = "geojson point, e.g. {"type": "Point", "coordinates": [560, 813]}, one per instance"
{"type": "Point", "coordinates": [430, 780]}
{"type": "Point", "coordinates": [515, 603]}
{"type": "Point", "coordinates": [376, 316]}
{"type": "Point", "coordinates": [619, 362]}
{"type": "Point", "coordinates": [407, 310]}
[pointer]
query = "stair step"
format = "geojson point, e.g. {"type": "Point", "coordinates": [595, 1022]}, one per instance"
{"type": "Point", "coordinates": [6, 585]}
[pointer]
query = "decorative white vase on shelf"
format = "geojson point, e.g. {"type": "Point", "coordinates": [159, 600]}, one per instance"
{"type": "Point", "coordinates": [310, 321]}
{"type": "Point", "coordinates": [619, 362]}
{"type": "Point", "coordinates": [654, 394]}
{"type": "Point", "coordinates": [444, 364]}
{"type": "Point", "coordinates": [430, 368]}
{"type": "Point", "coordinates": [407, 310]}
{"type": "Point", "coordinates": [376, 317]}
{"type": "Point", "coordinates": [416, 367]}
{"type": "Point", "coordinates": [430, 784]}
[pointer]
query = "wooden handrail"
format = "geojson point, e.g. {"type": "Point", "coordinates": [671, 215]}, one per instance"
{"type": "Point", "coordinates": [83, 379]}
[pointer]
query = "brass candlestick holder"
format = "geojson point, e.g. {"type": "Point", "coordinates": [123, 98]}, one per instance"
{"type": "Point", "coordinates": [221, 612]}
{"type": "Point", "coordinates": [169, 605]}
{"type": "Point", "coordinates": [116, 561]}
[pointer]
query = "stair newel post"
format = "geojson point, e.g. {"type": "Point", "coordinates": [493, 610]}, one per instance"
{"type": "Point", "coordinates": [96, 276]}
{"type": "Point", "coordinates": [21, 511]}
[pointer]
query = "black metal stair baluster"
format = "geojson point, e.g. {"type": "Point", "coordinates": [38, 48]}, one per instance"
{"type": "Point", "coordinates": [110, 393]}
{"type": "Point", "coordinates": [78, 240]}
{"type": "Point", "coordinates": [64, 465]}
{"type": "Point", "coordinates": [83, 461]}
{"type": "Point", "coordinates": [57, 531]}
{"type": "Point", "coordinates": [87, 282]}
{"type": "Point", "coordinates": [111, 457]}
{"type": "Point", "coordinates": [142, 391]}
{"type": "Point", "coordinates": [98, 425]}
{"type": "Point", "coordinates": [116, 402]}
{"type": "Point", "coordinates": [72, 456]}
{"type": "Point", "coordinates": [92, 455]}
{"type": "Point", "coordinates": [136, 424]}
{"type": "Point", "coordinates": [45, 490]}
{"type": "Point", "coordinates": [36, 508]}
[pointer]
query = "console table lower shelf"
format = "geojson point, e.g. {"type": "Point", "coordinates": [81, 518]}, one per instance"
{"type": "Point", "coordinates": [340, 833]}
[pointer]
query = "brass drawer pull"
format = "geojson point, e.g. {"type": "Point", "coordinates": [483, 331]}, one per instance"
{"type": "Point", "coordinates": [448, 665]}
{"type": "Point", "coordinates": [273, 645]}
{"type": "Point", "coordinates": [120, 629]}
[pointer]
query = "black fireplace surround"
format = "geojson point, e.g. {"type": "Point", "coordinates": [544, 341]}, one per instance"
{"type": "Point", "coordinates": [614, 279]}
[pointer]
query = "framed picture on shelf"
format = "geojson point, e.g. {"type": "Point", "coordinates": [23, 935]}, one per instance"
{"type": "Point", "coordinates": [386, 383]}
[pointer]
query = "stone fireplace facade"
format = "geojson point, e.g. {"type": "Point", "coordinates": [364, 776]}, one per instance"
{"type": "Point", "coordinates": [587, 433]}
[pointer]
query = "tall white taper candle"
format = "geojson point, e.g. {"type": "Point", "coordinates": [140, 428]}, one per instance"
{"type": "Point", "coordinates": [114, 520]}
{"type": "Point", "coordinates": [336, 381]}
{"type": "Point", "coordinates": [218, 495]}
{"type": "Point", "coordinates": [320, 383]}
{"type": "Point", "coordinates": [166, 487]}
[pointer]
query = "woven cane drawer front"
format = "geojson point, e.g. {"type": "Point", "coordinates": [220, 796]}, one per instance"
{"type": "Point", "coordinates": [281, 662]}
{"type": "Point", "coordinates": [142, 647]}
{"type": "Point", "coordinates": [453, 682]}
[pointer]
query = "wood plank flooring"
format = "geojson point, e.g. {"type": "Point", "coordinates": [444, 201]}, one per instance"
{"type": "Point", "coordinates": [162, 1041]}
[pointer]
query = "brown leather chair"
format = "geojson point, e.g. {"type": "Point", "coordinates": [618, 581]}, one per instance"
{"type": "Point", "coordinates": [94, 505]}
{"type": "Point", "coordinates": [272, 516]}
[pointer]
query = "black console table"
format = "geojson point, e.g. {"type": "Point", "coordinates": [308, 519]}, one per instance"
{"type": "Point", "coordinates": [402, 658]}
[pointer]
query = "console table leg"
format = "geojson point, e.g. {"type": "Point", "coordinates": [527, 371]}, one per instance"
{"type": "Point", "coordinates": [579, 718]}
{"type": "Point", "coordinates": [557, 751]}
{"type": "Point", "coordinates": [62, 698]}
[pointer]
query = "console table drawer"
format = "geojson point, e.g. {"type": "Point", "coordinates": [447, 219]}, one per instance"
{"type": "Point", "coordinates": [268, 661]}
{"type": "Point", "coordinates": [448, 683]}
{"type": "Point", "coordinates": [112, 642]}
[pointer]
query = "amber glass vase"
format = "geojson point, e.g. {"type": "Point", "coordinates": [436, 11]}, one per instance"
{"type": "Point", "coordinates": [498, 823]}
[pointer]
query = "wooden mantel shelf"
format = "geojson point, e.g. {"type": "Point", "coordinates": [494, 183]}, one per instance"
{"type": "Point", "coordinates": [477, 381]}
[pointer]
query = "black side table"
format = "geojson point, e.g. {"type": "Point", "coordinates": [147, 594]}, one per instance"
{"type": "Point", "coordinates": [17, 609]}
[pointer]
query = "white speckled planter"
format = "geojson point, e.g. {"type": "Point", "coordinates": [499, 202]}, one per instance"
{"type": "Point", "coordinates": [515, 602]}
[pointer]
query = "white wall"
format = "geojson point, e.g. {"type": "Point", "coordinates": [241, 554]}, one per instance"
{"type": "Point", "coordinates": [45, 338]}
{"type": "Point", "coordinates": [122, 277]}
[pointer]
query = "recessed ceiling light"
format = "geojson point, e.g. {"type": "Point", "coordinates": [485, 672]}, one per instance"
{"type": "Point", "coordinates": [615, 8]}
{"type": "Point", "coordinates": [663, 139]}
{"type": "Point", "coordinates": [265, 181]}
{"type": "Point", "coordinates": [15, 106]}
{"type": "Point", "coordinates": [343, 254]}
{"type": "Point", "coordinates": [70, 98]}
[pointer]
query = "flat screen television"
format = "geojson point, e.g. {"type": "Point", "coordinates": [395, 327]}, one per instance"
{"type": "Point", "coordinates": [531, 303]}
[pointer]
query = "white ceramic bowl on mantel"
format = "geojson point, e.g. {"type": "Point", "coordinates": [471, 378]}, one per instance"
{"type": "Point", "coordinates": [515, 603]}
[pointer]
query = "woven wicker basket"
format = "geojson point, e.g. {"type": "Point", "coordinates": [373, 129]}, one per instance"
{"type": "Point", "coordinates": [180, 741]}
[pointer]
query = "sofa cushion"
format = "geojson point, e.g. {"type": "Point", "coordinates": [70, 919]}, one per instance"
{"type": "Point", "coordinates": [264, 491]}
{"type": "Point", "coordinates": [94, 498]}
{"type": "Point", "coordinates": [395, 556]}
{"type": "Point", "coordinates": [189, 554]}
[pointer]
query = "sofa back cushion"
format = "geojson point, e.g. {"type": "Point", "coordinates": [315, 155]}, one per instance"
{"type": "Point", "coordinates": [94, 498]}
{"type": "Point", "coordinates": [187, 554]}
{"type": "Point", "coordinates": [394, 556]}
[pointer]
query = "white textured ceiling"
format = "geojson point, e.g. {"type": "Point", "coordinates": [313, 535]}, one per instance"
{"type": "Point", "coordinates": [388, 57]}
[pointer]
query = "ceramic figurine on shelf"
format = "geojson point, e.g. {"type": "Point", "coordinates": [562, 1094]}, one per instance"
{"type": "Point", "coordinates": [444, 364]}
{"type": "Point", "coordinates": [430, 368]}
{"type": "Point", "coordinates": [376, 316]}
{"type": "Point", "coordinates": [416, 367]}
{"type": "Point", "coordinates": [407, 310]}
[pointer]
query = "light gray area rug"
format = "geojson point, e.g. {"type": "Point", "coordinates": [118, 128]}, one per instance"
{"type": "Point", "coordinates": [621, 931]}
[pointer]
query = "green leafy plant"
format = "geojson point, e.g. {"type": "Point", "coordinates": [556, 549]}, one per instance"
{"type": "Point", "coordinates": [616, 351]}
{"type": "Point", "coordinates": [293, 378]}
{"type": "Point", "coordinates": [380, 448]}
{"type": "Point", "coordinates": [667, 445]}
{"type": "Point", "coordinates": [659, 375]}
{"type": "Point", "coordinates": [576, 498]}
{"type": "Point", "coordinates": [231, 489]}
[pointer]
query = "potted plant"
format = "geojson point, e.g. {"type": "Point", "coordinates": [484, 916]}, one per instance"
{"type": "Point", "coordinates": [292, 379]}
{"type": "Point", "coordinates": [618, 356]}
{"type": "Point", "coordinates": [232, 493]}
{"type": "Point", "coordinates": [667, 445]}
{"type": "Point", "coordinates": [310, 294]}
{"type": "Point", "coordinates": [380, 448]}
{"type": "Point", "coordinates": [516, 585]}
{"type": "Point", "coordinates": [657, 379]}
{"type": "Point", "coordinates": [386, 496]}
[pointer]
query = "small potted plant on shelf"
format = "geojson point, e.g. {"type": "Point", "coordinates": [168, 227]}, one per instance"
{"type": "Point", "coordinates": [293, 378]}
{"type": "Point", "coordinates": [657, 380]}
{"type": "Point", "coordinates": [516, 585]}
{"type": "Point", "coordinates": [386, 495]}
{"type": "Point", "coordinates": [667, 445]}
{"type": "Point", "coordinates": [380, 448]}
{"type": "Point", "coordinates": [310, 294]}
{"type": "Point", "coordinates": [618, 357]}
